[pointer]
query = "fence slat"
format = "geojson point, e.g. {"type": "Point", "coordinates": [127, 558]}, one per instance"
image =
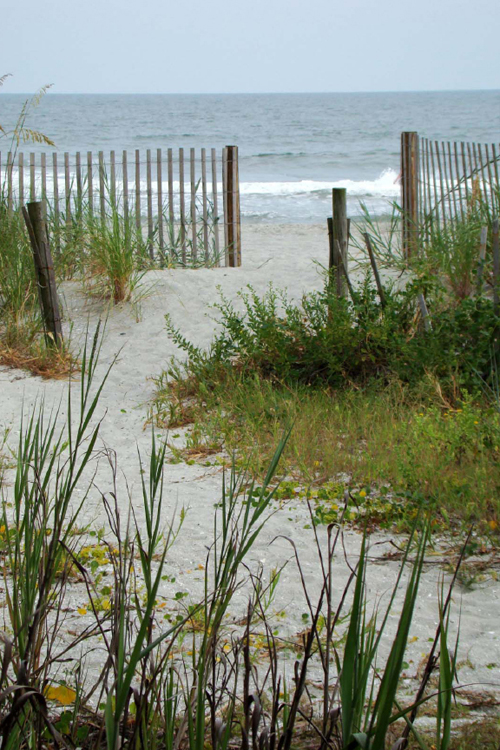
{"type": "Point", "coordinates": [170, 189]}
{"type": "Point", "coordinates": [67, 190]}
{"type": "Point", "coordinates": [20, 166]}
{"type": "Point", "coordinates": [43, 167]}
{"type": "Point", "coordinates": [453, 182]}
{"type": "Point", "coordinates": [224, 204]}
{"type": "Point", "coordinates": [112, 179]}
{"type": "Point", "coordinates": [159, 192]}
{"type": "Point", "coordinates": [215, 206]}
{"type": "Point", "coordinates": [125, 187]}
{"type": "Point", "coordinates": [490, 178]}
{"type": "Point", "coordinates": [90, 183]}
{"type": "Point", "coordinates": [102, 195]}
{"type": "Point", "coordinates": [204, 202]}
{"type": "Point", "coordinates": [138, 191]}
{"type": "Point", "coordinates": [441, 183]}
{"type": "Point", "coordinates": [182, 204]}
{"type": "Point", "coordinates": [55, 190]}
{"type": "Point", "coordinates": [194, 237]}
{"type": "Point", "coordinates": [149, 191]}
{"type": "Point", "coordinates": [459, 181]}
{"type": "Point", "coordinates": [32, 178]}
{"type": "Point", "coordinates": [79, 184]}
{"type": "Point", "coordinates": [10, 164]}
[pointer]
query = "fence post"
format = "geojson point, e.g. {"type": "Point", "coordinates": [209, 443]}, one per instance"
{"type": "Point", "coordinates": [232, 217]}
{"type": "Point", "coordinates": [44, 267]}
{"type": "Point", "coordinates": [338, 235]}
{"type": "Point", "coordinates": [410, 164]}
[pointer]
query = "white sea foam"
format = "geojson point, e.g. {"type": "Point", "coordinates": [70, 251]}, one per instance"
{"type": "Point", "coordinates": [386, 185]}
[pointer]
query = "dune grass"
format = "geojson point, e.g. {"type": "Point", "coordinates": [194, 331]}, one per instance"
{"type": "Point", "coordinates": [152, 691]}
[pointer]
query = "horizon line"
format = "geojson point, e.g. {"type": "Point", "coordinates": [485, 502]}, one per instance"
{"type": "Point", "coordinates": [249, 93]}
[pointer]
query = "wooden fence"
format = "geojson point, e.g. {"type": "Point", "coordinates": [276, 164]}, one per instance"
{"type": "Point", "coordinates": [443, 182]}
{"type": "Point", "coordinates": [189, 204]}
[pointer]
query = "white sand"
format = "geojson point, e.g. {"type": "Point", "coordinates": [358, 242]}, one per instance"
{"type": "Point", "coordinates": [287, 257]}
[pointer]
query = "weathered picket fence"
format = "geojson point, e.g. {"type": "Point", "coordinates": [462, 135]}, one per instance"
{"type": "Point", "coordinates": [442, 182]}
{"type": "Point", "coordinates": [180, 201]}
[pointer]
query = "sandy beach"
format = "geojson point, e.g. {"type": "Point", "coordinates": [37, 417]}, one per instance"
{"type": "Point", "coordinates": [289, 257]}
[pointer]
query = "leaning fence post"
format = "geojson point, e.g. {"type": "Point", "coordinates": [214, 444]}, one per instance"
{"type": "Point", "coordinates": [409, 192]}
{"type": "Point", "coordinates": [232, 203]}
{"type": "Point", "coordinates": [44, 267]}
{"type": "Point", "coordinates": [338, 234]}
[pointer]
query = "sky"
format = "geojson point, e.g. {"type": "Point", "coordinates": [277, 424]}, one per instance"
{"type": "Point", "coordinates": [204, 46]}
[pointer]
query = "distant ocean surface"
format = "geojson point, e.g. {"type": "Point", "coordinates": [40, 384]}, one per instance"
{"type": "Point", "coordinates": [293, 147]}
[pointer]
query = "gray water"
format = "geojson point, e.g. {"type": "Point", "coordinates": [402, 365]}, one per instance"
{"type": "Point", "coordinates": [293, 147]}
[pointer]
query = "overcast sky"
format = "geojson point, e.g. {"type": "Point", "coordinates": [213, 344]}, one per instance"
{"type": "Point", "coordinates": [162, 46]}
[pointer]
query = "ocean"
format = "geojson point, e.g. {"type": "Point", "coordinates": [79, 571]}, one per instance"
{"type": "Point", "coordinates": [293, 148]}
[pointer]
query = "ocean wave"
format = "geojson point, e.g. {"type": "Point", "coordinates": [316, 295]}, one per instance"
{"type": "Point", "coordinates": [386, 185]}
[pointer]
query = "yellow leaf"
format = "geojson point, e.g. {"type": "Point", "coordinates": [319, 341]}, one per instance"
{"type": "Point", "coordinates": [82, 610]}
{"type": "Point", "coordinates": [60, 693]}
{"type": "Point", "coordinates": [492, 524]}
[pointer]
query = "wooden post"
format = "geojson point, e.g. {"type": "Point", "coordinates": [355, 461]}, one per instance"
{"type": "Point", "coordinates": [409, 191]}
{"type": "Point", "coordinates": [112, 178]}
{"type": "Point", "coordinates": [232, 203]}
{"type": "Point", "coordinates": [102, 196]}
{"type": "Point", "coordinates": [482, 257]}
{"type": "Point", "coordinates": [79, 185]}
{"type": "Point", "coordinates": [32, 178]}
{"type": "Point", "coordinates": [67, 192]}
{"type": "Point", "coordinates": [44, 266]}
{"type": "Point", "coordinates": [10, 164]}
{"type": "Point", "coordinates": [338, 233]}
{"type": "Point", "coordinates": [138, 192]}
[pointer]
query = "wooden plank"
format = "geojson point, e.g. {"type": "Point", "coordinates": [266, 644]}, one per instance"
{"type": "Point", "coordinates": [429, 194]}
{"type": "Point", "coordinates": [339, 240]}
{"type": "Point", "coordinates": [102, 187]}
{"type": "Point", "coordinates": [441, 184]}
{"type": "Point", "coordinates": [466, 175]}
{"type": "Point", "coordinates": [409, 190]}
{"type": "Point", "coordinates": [159, 192]}
{"type": "Point", "coordinates": [67, 190]}
{"type": "Point", "coordinates": [112, 179]}
{"type": "Point", "coordinates": [171, 216]}
{"type": "Point", "coordinates": [10, 164]}
{"type": "Point", "coordinates": [55, 183]}
{"type": "Point", "coordinates": [79, 183]}
{"type": "Point", "coordinates": [194, 236]}
{"type": "Point", "coordinates": [437, 211]}
{"type": "Point", "coordinates": [230, 215]}
{"type": "Point", "coordinates": [32, 178]}
{"type": "Point", "coordinates": [447, 187]}
{"type": "Point", "coordinates": [204, 203]}
{"type": "Point", "coordinates": [215, 206]}
{"type": "Point", "coordinates": [495, 166]}
{"type": "Point", "coordinates": [459, 179]}
{"type": "Point", "coordinates": [496, 264]}
{"type": "Point", "coordinates": [138, 191]}
{"type": "Point", "coordinates": [43, 167]}
{"type": "Point", "coordinates": [421, 196]}
{"type": "Point", "coordinates": [490, 179]}
{"type": "Point", "coordinates": [182, 205]}
{"type": "Point", "coordinates": [125, 188]}
{"type": "Point", "coordinates": [236, 207]}
{"type": "Point", "coordinates": [35, 223]}
{"type": "Point", "coordinates": [149, 195]}
{"type": "Point", "coordinates": [453, 183]}
{"type": "Point", "coordinates": [90, 183]}
{"type": "Point", "coordinates": [483, 174]}
{"type": "Point", "coordinates": [20, 167]}
{"type": "Point", "coordinates": [224, 204]}
{"type": "Point", "coordinates": [373, 263]}
{"type": "Point", "coordinates": [477, 189]}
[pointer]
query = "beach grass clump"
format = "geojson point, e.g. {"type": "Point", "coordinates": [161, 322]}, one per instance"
{"type": "Point", "coordinates": [376, 397]}
{"type": "Point", "coordinates": [151, 689]}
